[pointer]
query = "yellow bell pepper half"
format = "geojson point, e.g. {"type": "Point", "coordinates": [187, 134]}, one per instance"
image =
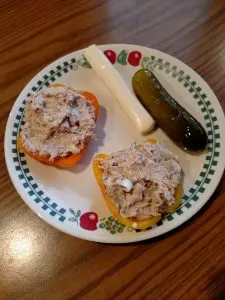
{"type": "Point", "coordinates": [131, 222]}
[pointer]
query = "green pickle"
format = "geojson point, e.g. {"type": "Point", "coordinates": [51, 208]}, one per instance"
{"type": "Point", "coordinates": [170, 116]}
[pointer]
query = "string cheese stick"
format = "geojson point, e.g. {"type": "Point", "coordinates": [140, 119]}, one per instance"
{"type": "Point", "coordinates": [118, 88]}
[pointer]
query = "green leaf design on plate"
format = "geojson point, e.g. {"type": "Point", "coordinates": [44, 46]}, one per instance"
{"type": "Point", "coordinates": [111, 219]}
{"type": "Point", "coordinates": [117, 222]}
{"type": "Point", "coordinates": [145, 59]}
{"type": "Point", "coordinates": [144, 62]}
{"type": "Point", "coordinates": [148, 63]}
{"type": "Point", "coordinates": [75, 67]}
{"type": "Point", "coordinates": [120, 229]}
{"type": "Point", "coordinates": [72, 211]}
{"type": "Point", "coordinates": [72, 219]}
{"type": "Point", "coordinates": [122, 57]}
{"type": "Point", "coordinates": [78, 213]}
{"type": "Point", "coordinates": [84, 63]}
{"type": "Point", "coordinates": [114, 227]}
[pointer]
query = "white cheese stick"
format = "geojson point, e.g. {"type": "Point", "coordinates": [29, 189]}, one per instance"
{"type": "Point", "coordinates": [118, 88]}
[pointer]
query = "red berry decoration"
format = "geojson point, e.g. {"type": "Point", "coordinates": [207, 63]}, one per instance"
{"type": "Point", "coordinates": [134, 58]}
{"type": "Point", "coordinates": [111, 55]}
{"type": "Point", "coordinates": [89, 221]}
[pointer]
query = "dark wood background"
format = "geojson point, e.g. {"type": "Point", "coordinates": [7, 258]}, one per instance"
{"type": "Point", "coordinates": [188, 263]}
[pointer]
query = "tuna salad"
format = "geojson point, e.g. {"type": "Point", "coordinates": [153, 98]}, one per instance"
{"type": "Point", "coordinates": [57, 122]}
{"type": "Point", "coordinates": [141, 181]}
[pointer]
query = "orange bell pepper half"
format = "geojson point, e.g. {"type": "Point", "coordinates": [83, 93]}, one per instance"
{"type": "Point", "coordinates": [131, 222]}
{"type": "Point", "coordinates": [71, 159]}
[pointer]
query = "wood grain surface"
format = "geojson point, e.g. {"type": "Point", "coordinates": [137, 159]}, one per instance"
{"type": "Point", "coordinates": [188, 263]}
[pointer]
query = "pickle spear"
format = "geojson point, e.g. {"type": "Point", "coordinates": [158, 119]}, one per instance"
{"type": "Point", "coordinates": [171, 117]}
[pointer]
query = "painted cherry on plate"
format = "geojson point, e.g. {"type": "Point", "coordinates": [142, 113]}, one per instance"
{"type": "Point", "coordinates": [89, 221]}
{"type": "Point", "coordinates": [111, 55]}
{"type": "Point", "coordinates": [134, 58]}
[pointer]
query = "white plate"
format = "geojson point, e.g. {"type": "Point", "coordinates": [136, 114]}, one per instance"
{"type": "Point", "coordinates": [70, 200]}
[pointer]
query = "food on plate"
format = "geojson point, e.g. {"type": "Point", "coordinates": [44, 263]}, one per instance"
{"type": "Point", "coordinates": [140, 184]}
{"type": "Point", "coordinates": [59, 122]}
{"type": "Point", "coordinates": [179, 125]}
{"type": "Point", "coordinates": [117, 86]}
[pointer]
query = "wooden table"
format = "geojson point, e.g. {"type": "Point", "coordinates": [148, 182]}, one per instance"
{"type": "Point", "coordinates": [188, 263]}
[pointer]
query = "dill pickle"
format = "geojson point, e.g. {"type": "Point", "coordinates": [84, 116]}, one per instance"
{"type": "Point", "coordinates": [170, 116]}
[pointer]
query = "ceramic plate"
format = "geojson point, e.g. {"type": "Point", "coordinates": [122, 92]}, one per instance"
{"type": "Point", "coordinates": [70, 200]}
